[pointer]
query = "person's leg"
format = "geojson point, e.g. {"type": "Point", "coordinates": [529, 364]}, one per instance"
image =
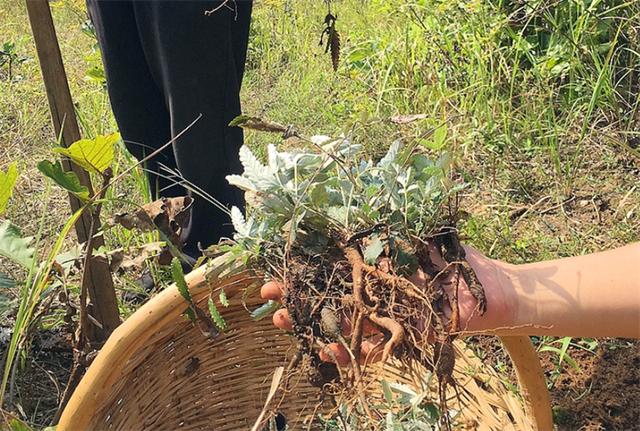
{"type": "Point", "coordinates": [198, 61]}
{"type": "Point", "coordinates": [138, 104]}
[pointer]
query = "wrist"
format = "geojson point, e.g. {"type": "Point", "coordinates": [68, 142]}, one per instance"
{"type": "Point", "coordinates": [503, 305]}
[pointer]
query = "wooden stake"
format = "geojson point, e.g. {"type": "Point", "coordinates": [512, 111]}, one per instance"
{"type": "Point", "coordinates": [99, 284]}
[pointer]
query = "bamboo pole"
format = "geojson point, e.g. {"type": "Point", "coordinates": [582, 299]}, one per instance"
{"type": "Point", "coordinates": [99, 284]}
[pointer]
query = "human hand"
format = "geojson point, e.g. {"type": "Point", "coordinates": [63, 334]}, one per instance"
{"type": "Point", "coordinates": [490, 273]}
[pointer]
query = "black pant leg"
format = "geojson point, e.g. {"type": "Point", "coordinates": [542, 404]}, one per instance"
{"type": "Point", "coordinates": [138, 104]}
{"type": "Point", "coordinates": [198, 61]}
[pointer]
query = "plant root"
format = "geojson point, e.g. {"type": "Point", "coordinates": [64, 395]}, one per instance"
{"type": "Point", "coordinates": [321, 288]}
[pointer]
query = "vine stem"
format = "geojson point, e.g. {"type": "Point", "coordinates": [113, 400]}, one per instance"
{"type": "Point", "coordinates": [82, 340]}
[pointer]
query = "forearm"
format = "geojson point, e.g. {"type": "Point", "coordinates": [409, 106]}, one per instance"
{"type": "Point", "coordinates": [596, 295]}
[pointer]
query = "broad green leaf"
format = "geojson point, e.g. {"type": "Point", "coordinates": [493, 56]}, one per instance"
{"type": "Point", "coordinates": [67, 180]}
{"type": "Point", "coordinates": [7, 181]}
{"type": "Point", "coordinates": [216, 316]}
{"type": "Point", "coordinates": [94, 155]}
{"type": "Point", "coordinates": [265, 310]}
{"type": "Point", "coordinates": [439, 139]}
{"type": "Point", "coordinates": [6, 282]}
{"type": "Point", "coordinates": [440, 136]}
{"type": "Point", "coordinates": [13, 246]}
{"type": "Point", "coordinates": [373, 250]}
{"type": "Point", "coordinates": [392, 154]}
{"type": "Point", "coordinates": [431, 410]}
{"type": "Point", "coordinates": [178, 278]}
{"type": "Point", "coordinates": [96, 74]}
{"type": "Point", "coordinates": [386, 390]}
{"type": "Point", "coordinates": [17, 425]}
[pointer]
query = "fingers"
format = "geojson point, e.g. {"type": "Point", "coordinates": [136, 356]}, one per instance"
{"type": "Point", "coordinates": [282, 320]}
{"type": "Point", "coordinates": [371, 351]}
{"type": "Point", "coordinates": [435, 257]}
{"type": "Point", "coordinates": [335, 353]}
{"type": "Point", "coordinates": [272, 290]}
{"type": "Point", "coordinates": [419, 278]}
{"type": "Point", "coordinates": [368, 328]}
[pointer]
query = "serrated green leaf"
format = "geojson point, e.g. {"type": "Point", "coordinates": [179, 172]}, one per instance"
{"type": "Point", "coordinates": [253, 169]}
{"type": "Point", "coordinates": [238, 221]}
{"type": "Point", "coordinates": [94, 155]}
{"type": "Point", "coordinates": [373, 250]}
{"type": "Point", "coordinates": [216, 316]}
{"type": "Point", "coordinates": [223, 298]}
{"type": "Point", "coordinates": [13, 246]}
{"type": "Point", "coordinates": [178, 278]}
{"type": "Point", "coordinates": [6, 282]}
{"type": "Point", "coordinates": [265, 310]}
{"type": "Point", "coordinates": [7, 182]}
{"type": "Point", "coordinates": [241, 182]}
{"type": "Point", "coordinates": [67, 180]}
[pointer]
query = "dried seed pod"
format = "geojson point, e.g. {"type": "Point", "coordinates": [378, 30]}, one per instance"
{"type": "Point", "coordinates": [334, 47]}
{"type": "Point", "coordinates": [329, 322]}
{"type": "Point", "coordinates": [444, 359]}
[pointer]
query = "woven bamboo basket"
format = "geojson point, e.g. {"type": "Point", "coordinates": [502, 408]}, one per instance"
{"type": "Point", "coordinates": [158, 372]}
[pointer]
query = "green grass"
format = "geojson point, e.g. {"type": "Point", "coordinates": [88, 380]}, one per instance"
{"type": "Point", "coordinates": [541, 106]}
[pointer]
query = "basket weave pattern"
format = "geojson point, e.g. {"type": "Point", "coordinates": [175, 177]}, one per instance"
{"type": "Point", "coordinates": [158, 372]}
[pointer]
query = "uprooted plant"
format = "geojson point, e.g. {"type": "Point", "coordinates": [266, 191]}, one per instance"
{"type": "Point", "coordinates": [344, 235]}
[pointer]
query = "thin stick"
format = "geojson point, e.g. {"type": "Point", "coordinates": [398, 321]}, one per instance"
{"type": "Point", "coordinates": [153, 154]}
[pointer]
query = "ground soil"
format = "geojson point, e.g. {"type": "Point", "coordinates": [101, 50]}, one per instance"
{"type": "Point", "coordinates": [603, 394]}
{"type": "Point", "coordinates": [41, 381]}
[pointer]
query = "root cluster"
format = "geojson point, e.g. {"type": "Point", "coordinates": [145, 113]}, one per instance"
{"type": "Point", "coordinates": [322, 291]}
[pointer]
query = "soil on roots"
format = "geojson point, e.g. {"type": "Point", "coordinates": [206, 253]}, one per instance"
{"type": "Point", "coordinates": [323, 290]}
